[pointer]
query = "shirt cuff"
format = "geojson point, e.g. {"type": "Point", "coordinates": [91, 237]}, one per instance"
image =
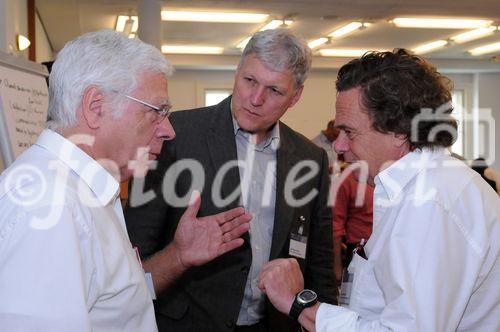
{"type": "Point", "coordinates": [335, 318]}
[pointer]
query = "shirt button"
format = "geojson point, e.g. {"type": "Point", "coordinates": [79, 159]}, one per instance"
{"type": "Point", "coordinates": [230, 324]}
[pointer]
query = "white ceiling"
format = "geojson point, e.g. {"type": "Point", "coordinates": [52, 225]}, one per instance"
{"type": "Point", "coordinates": [66, 19]}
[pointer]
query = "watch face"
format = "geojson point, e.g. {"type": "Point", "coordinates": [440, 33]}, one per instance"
{"type": "Point", "coordinates": [306, 296]}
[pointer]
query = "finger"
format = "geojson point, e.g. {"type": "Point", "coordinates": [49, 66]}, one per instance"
{"type": "Point", "coordinates": [269, 265]}
{"type": "Point", "coordinates": [262, 288]}
{"type": "Point", "coordinates": [280, 266]}
{"type": "Point", "coordinates": [292, 264]}
{"type": "Point", "coordinates": [226, 216]}
{"type": "Point", "coordinates": [194, 204]}
{"type": "Point", "coordinates": [231, 245]}
{"type": "Point", "coordinates": [236, 232]}
{"type": "Point", "coordinates": [262, 282]}
{"type": "Point", "coordinates": [275, 264]}
{"type": "Point", "coordinates": [236, 222]}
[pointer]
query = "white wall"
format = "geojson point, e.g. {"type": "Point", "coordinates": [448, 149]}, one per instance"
{"type": "Point", "coordinates": [186, 87]}
{"type": "Point", "coordinates": [465, 83]}
{"type": "Point", "coordinates": [481, 94]}
{"type": "Point", "coordinates": [317, 105]}
{"type": "Point", "coordinates": [489, 98]}
{"type": "Point", "coordinates": [13, 21]}
{"type": "Point", "coordinates": [3, 32]}
{"type": "Point", "coordinates": [43, 49]}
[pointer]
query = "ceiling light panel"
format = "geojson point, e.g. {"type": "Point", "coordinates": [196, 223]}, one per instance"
{"type": "Point", "coordinates": [428, 47]}
{"type": "Point", "coordinates": [473, 34]}
{"type": "Point", "coordinates": [485, 49]}
{"type": "Point", "coordinates": [336, 52]}
{"type": "Point", "coordinates": [346, 29]}
{"type": "Point", "coordinates": [127, 23]}
{"type": "Point", "coordinates": [243, 43]}
{"type": "Point", "coordinates": [317, 42]}
{"type": "Point", "coordinates": [274, 24]}
{"type": "Point", "coordinates": [221, 17]}
{"type": "Point", "coordinates": [440, 23]}
{"type": "Point", "coordinates": [186, 49]}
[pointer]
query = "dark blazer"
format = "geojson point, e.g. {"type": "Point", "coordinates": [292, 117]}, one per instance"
{"type": "Point", "coordinates": [208, 298]}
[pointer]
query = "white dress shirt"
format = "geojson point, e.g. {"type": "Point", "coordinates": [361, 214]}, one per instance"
{"type": "Point", "coordinates": [434, 255]}
{"type": "Point", "coordinates": [66, 263]}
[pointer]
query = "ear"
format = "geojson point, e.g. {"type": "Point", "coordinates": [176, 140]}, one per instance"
{"type": "Point", "coordinates": [92, 102]}
{"type": "Point", "coordinates": [297, 95]}
{"type": "Point", "coordinates": [400, 139]}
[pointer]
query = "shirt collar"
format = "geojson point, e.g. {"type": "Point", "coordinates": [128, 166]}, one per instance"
{"type": "Point", "coordinates": [97, 178]}
{"type": "Point", "coordinates": [272, 138]}
{"type": "Point", "coordinates": [394, 178]}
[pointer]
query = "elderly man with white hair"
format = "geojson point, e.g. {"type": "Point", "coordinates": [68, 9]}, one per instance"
{"type": "Point", "coordinates": [66, 262]}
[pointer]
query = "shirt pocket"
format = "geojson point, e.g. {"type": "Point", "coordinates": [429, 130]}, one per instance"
{"type": "Point", "coordinates": [360, 268]}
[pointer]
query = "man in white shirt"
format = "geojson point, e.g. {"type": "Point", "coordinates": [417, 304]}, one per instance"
{"type": "Point", "coordinates": [433, 260]}
{"type": "Point", "coordinates": [66, 263]}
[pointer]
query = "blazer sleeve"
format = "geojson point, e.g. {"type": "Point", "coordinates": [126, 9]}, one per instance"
{"type": "Point", "coordinates": [319, 274]}
{"type": "Point", "coordinates": [146, 211]}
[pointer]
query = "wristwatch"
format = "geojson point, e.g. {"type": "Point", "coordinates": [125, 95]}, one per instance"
{"type": "Point", "coordinates": [304, 299]}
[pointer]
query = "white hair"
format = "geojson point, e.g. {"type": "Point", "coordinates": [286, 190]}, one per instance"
{"type": "Point", "coordinates": [103, 58]}
{"type": "Point", "coordinates": [281, 50]}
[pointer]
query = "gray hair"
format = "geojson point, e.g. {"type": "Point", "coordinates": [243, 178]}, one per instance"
{"type": "Point", "coordinates": [103, 58]}
{"type": "Point", "coordinates": [281, 50]}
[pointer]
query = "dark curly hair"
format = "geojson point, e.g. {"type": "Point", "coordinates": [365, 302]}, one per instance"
{"type": "Point", "coordinates": [403, 94]}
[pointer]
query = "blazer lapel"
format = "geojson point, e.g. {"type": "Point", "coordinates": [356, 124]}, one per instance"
{"type": "Point", "coordinates": [222, 149]}
{"type": "Point", "coordinates": [283, 214]}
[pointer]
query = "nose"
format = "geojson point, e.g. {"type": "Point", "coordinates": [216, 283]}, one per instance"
{"type": "Point", "coordinates": [258, 96]}
{"type": "Point", "coordinates": [165, 131]}
{"type": "Point", "coordinates": [341, 144]}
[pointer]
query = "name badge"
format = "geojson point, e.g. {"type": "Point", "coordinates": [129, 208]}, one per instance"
{"type": "Point", "coordinates": [346, 288]}
{"type": "Point", "coordinates": [298, 241]}
{"type": "Point", "coordinates": [348, 275]}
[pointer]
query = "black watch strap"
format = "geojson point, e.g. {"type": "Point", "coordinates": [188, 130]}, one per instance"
{"type": "Point", "coordinates": [295, 310]}
{"type": "Point", "coordinates": [304, 299]}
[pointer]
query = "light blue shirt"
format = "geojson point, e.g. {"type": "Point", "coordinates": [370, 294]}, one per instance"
{"type": "Point", "coordinates": [258, 187]}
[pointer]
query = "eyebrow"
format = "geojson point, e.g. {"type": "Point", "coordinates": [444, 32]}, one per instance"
{"type": "Point", "coordinates": [342, 127]}
{"type": "Point", "coordinates": [280, 89]}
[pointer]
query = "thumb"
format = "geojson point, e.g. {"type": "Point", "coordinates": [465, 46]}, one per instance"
{"type": "Point", "coordinates": [194, 204]}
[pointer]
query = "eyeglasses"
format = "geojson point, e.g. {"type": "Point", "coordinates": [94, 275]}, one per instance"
{"type": "Point", "coordinates": [162, 111]}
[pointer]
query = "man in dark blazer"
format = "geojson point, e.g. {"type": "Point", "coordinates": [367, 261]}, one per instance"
{"type": "Point", "coordinates": [223, 294]}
